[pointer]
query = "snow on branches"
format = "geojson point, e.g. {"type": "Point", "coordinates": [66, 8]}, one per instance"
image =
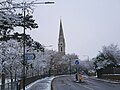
{"type": "Point", "coordinates": [11, 15]}
{"type": "Point", "coordinates": [109, 56]}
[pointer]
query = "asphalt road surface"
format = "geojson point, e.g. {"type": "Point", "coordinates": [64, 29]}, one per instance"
{"type": "Point", "coordinates": [69, 83]}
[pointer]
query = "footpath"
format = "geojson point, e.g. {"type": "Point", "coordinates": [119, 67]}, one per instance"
{"type": "Point", "coordinates": [42, 84]}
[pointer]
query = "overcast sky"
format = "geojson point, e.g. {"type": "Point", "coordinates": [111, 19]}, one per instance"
{"type": "Point", "coordinates": [87, 25]}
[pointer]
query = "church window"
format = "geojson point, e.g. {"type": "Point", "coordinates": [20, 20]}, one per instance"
{"type": "Point", "coordinates": [61, 49]}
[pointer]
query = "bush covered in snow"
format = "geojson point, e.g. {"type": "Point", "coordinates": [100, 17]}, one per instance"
{"type": "Point", "coordinates": [108, 57]}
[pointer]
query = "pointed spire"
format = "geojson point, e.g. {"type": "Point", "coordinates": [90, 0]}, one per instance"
{"type": "Point", "coordinates": [61, 40]}
{"type": "Point", "coordinates": [61, 29]}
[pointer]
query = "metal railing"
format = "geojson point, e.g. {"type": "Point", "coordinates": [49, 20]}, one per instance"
{"type": "Point", "coordinates": [7, 86]}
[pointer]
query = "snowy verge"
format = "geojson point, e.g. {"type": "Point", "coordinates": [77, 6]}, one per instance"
{"type": "Point", "coordinates": [47, 81]}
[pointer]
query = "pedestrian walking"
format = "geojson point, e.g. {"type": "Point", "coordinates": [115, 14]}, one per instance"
{"type": "Point", "coordinates": [80, 78]}
{"type": "Point", "coordinates": [76, 77]}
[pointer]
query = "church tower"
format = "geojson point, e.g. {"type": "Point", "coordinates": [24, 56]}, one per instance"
{"type": "Point", "coordinates": [61, 40]}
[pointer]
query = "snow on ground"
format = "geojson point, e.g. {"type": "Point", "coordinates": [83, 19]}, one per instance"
{"type": "Point", "coordinates": [6, 81]}
{"type": "Point", "coordinates": [42, 84]}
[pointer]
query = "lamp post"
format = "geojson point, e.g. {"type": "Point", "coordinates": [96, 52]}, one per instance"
{"type": "Point", "coordinates": [24, 14]}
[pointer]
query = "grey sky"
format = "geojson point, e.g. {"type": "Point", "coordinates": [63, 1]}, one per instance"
{"type": "Point", "coordinates": [87, 24]}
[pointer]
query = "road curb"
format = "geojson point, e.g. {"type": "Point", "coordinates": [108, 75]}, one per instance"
{"type": "Point", "coordinates": [52, 86]}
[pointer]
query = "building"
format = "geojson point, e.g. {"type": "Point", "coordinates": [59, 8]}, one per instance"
{"type": "Point", "coordinates": [61, 40]}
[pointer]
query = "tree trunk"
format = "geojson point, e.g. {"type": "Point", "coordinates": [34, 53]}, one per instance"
{"type": "Point", "coordinates": [11, 81]}
{"type": "Point", "coordinates": [3, 82]}
{"type": "Point", "coordinates": [15, 76]}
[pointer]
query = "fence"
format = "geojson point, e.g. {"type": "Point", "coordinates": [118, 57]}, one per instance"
{"type": "Point", "coordinates": [19, 84]}
{"type": "Point", "coordinates": [111, 73]}
{"type": "Point", "coordinates": [111, 70]}
{"type": "Point", "coordinates": [8, 86]}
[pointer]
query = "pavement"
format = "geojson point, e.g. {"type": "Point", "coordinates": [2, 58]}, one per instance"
{"type": "Point", "coordinates": [42, 84]}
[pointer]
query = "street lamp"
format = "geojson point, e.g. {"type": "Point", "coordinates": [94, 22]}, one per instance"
{"type": "Point", "coordinates": [24, 12]}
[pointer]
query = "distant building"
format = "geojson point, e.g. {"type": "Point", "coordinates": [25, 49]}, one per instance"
{"type": "Point", "coordinates": [61, 40]}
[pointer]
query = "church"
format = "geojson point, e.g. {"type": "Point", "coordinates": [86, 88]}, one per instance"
{"type": "Point", "coordinates": [61, 40]}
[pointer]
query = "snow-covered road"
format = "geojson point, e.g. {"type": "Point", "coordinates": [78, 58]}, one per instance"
{"type": "Point", "coordinates": [42, 84]}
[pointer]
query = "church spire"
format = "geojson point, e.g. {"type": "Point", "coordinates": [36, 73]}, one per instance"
{"type": "Point", "coordinates": [61, 30]}
{"type": "Point", "coordinates": [61, 40]}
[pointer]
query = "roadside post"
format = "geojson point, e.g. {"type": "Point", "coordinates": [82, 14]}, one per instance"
{"type": "Point", "coordinates": [77, 62]}
{"type": "Point", "coordinates": [78, 75]}
{"type": "Point", "coordinates": [26, 56]}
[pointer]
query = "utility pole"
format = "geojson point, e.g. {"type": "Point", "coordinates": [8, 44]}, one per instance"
{"type": "Point", "coordinates": [24, 61]}
{"type": "Point", "coordinates": [24, 14]}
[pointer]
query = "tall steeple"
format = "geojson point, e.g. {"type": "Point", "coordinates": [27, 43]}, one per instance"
{"type": "Point", "coordinates": [61, 40]}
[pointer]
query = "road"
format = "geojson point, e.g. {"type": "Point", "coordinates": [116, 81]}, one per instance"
{"type": "Point", "coordinates": [68, 83]}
